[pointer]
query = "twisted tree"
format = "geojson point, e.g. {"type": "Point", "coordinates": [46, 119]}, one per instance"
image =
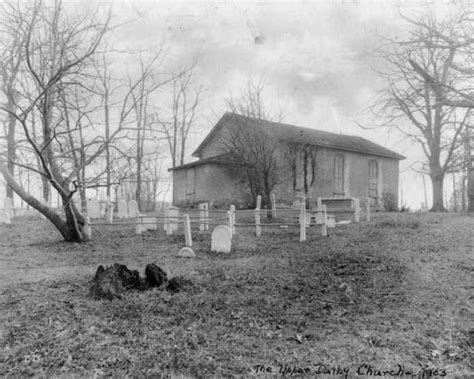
{"type": "Point", "coordinates": [410, 104]}
{"type": "Point", "coordinates": [54, 57]}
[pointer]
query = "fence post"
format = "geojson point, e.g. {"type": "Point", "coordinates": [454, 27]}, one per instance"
{"type": "Point", "coordinates": [110, 211]}
{"type": "Point", "coordinates": [229, 220]}
{"type": "Point", "coordinates": [258, 228]}
{"type": "Point", "coordinates": [138, 227]}
{"type": "Point", "coordinates": [187, 232]}
{"type": "Point", "coordinates": [274, 209]}
{"type": "Point", "coordinates": [324, 230]}
{"type": "Point", "coordinates": [303, 222]}
{"type": "Point", "coordinates": [367, 209]}
{"type": "Point", "coordinates": [357, 209]}
{"type": "Point", "coordinates": [166, 220]}
{"type": "Point", "coordinates": [206, 215]}
{"type": "Point", "coordinates": [201, 217]}
{"type": "Point", "coordinates": [232, 219]}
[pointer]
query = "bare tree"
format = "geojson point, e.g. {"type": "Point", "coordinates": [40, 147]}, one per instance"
{"type": "Point", "coordinates": [252, 145]}
{"type": "Point", "coordinates": [143, 115]}
{"type": "Point", "coordinates": [11, 47]}
{"type": "Point", "coordinates": [57, 50]}
{"type": "Point", "coordinates": [184, 114]}
{"type": "Point", "coordinates": [410, 105]}
{"type": "Point", "coordinates": [306, 154]}
{"type": "Point", "coordinates": [456, 39]}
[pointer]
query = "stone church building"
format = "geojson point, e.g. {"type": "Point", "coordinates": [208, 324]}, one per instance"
{"type": "Point", "coordinates": [312, 162]}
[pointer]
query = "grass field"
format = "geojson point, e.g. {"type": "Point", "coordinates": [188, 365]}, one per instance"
{"type": "Point", "coordinates": [396, 293]}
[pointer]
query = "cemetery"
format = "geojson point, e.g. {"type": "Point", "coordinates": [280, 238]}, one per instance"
{"type": "Point", "coordinates": [208, 284]}
{"type": "Point", "coordinates": [223, 189]}
{"type": "Point", "coordinates": [171, 219]}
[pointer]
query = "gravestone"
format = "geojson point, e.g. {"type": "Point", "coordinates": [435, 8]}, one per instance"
{"type": "Point", "coordinates": [186, 252]}
{"type": "Point", "coordinates": [93, 208]}
{"type": "Point", "coordinates": [8, 206]}
{"type": "Point", "coordinates": [296, 205]}
{"type": "Point", "coordinates": [309, 216]}
{"type": "Point", "coordinates": [149, 223]}
{"type": "Point", "coordinates": [331, 221]}
{"type": "Point", "coordinates": [221, 239]}
{"type": "Point", "coordinates": [173, 220]}
{"type": "Point", "coordinates": [319, 218]}
{"type": "Point", "coordinates": [4, 217]}
{"type": "Point", "coordinates": [122, 209]}
{"type": "Point", "coordinates": [103, 209]}
{"type": "Point", "coordinates": [109, 216]}
{"type": "Point", "coordinates": [133, 209]}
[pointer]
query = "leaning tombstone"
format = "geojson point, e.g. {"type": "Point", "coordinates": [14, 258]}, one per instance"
{"type": "Point", "coordinates": [133, 209]}
{"type": "Point", "coordinates": [122, 209]}
{"type": "Point", "coordinates": [93, 208]}
{"type": "Point", "coordinates": [221, 239]}
{"type": "Point", "coordinates": [188, 240]}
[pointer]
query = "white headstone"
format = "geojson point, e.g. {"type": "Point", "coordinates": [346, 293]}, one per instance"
{"type": "Point", "coordinates": [8, 206]}
{"type": "Point", "coordinates": [149, 223]}
{"type": "Point", "coordinates": [133, 209]}
{"type": "Point", "coordinates": [93, 208]}
{"type": "Point", "coordinates": [122, 209]}
{"type": "Point", "coordinates": [319, 217]}
{"type": "Point", "coordinates": [186, 252]}
{"type": "Point", "coordinates": [110, 212]}
{"type": "Point", "coordinates": [4, 217]}
{"type": "Point", "coordinates": [331, 221]}
{"type": "Point", "coordinates": [296, 205]}
{"type": "Point", "coordinates": [221, 239]}
{"type": "Point", "coordinates": [308, 219]}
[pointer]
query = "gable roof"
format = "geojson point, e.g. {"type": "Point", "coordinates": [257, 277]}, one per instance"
{"type": "Point", "coordinates": [302, 135]}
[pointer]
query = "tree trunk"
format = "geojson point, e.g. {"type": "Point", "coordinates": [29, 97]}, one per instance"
{"type": "Point", "coordinates": [72, 230]}
{"type": "Point", "coordinates": [437, 183]}
{"type": "Point", "coordinates": [11, 149]}
{"type": "Point", "coordinates": [470, 187]}
{"type": "Point", "coordinates": [46, 189]}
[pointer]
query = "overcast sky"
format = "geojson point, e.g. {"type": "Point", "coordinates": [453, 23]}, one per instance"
{"type": "Point", "coordinates": [315, 58]}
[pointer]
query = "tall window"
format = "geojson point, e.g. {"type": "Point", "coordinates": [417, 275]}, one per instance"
{"type": "Point", "coordinates": [373, 178]}
{"type": "Point", "coordinates": [339, 174]}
